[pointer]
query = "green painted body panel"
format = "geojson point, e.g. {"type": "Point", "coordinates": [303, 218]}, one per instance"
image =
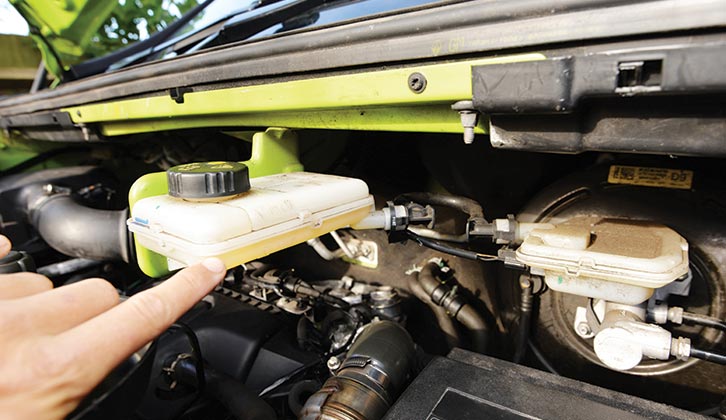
{"type": "Point", "coordinates": [421, 119]}
{"type": "Point", "coordinates": [375, 100]}
{"type": "Point", "coordinates": [273, 151]}
{"type": "Point", "coordinates": [10, 156]}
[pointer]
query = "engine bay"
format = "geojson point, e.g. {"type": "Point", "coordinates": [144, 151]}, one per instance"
{"type": "Point", "coordinates": [422, 209]}
{"type": "Point", "coordinates": [388, 257]}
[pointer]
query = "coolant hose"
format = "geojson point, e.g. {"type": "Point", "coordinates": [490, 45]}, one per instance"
{"type": "Point", "coordinates": [473, 321]}
{"type": "Point", "coordinates": [376, 369]}
{"type": "Point", "coordinates": [463, 204]}
{"type": "Point", "coordinates": [446, 324]}
{"type": "Point", "coordinates": [79, 231]}
{"type": "Point", "coordinates": [455, 306]}
{"type": "Point", "coordinates": [241, 402]}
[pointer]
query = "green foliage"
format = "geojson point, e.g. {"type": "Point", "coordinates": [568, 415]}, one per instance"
{"type": "Point", "coordinates": [135, 20]}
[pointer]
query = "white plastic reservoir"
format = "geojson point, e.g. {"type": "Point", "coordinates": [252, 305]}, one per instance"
{"type": "Point", "coordinates": [277, 212]}
{"type": "Point", "coordinates": [621, 261]}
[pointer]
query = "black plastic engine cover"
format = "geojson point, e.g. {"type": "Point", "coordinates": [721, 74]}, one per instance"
{"type": "Point", "coordinates": [471, 386]}
{"type": "Point", "coordinates": [240, 337]}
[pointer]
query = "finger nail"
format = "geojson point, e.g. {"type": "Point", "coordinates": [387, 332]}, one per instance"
{"type": "Point", "coordinates": [4, 242]}
{"type": "Point", "coordinates": [214, 265]}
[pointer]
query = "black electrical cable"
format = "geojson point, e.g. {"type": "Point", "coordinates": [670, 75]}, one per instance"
{"type": "Point", "coordinates": [457, 252]}
{"type": "Point", "coordinates": [283, 379]}
{"type": "Point", "coordinates": [710, 356]}
{"type": "Point", "coordinates": [542, 359]}
{"type": "Point", "coordinates": [704, 320]}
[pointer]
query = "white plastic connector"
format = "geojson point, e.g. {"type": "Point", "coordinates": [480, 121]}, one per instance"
{"type": "Point", "coordinates": [681, 348]}
{"type": "Point", "coordinates": [376, 220]}
{"type": "Point", "coordinates": [662, 314]}
{"type": "Point", "coordinates": [624, 340]}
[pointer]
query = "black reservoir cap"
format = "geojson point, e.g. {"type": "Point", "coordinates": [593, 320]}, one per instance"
{"type": "Point", "coordinates": [205, 180]}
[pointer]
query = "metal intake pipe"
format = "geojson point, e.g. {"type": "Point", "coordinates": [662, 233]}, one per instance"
{"type": "Point", "coordinates": [376, 369]}
{"type": "Point", "coordinates": [76, 230]}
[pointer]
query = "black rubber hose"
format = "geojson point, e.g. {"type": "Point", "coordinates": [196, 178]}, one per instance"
{"type": "Point", "coordinates": [710, 356]}
{"type": "Point", "coordinates": [299, 393]}
{"type": "Point", "coordinates": [463, 204]}
{"type": "Point", "coordinates": [525, 316]}
{"type": "Point", "coordinates": [473, 321]}
{"type": "Point", "coordinates": [79, 231]}
{"type": "Point", "coordinates": [446, 324]}
{"type": "Point", "coordinates": [705, 320]}
{"type": "Point", "coordinates": [463, 312]}
{"type": "Point", "coordinates": [240, 401]}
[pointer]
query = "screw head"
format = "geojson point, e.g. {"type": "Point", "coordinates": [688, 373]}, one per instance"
{"type": "Point", "coordinates": [333, 363]}
{"type": "Point", "coordinates": [417, 82]}
{"type": "Point", "coordinates": [584, 329]}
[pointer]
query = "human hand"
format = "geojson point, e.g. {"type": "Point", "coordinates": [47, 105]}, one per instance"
{"type": "Point", "coordinates": [58, 344]}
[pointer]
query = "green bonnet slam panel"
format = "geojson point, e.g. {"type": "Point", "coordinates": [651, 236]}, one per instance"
{"type": "Point", "coordinates": [274, 151]}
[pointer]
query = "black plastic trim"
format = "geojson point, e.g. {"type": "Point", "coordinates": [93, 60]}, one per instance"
{"type": "Point", "coordinates": [561, 84]}
{"type": "Point", "coordinates": [438, 33]}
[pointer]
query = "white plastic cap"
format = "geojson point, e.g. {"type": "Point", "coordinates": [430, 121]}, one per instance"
{"type": "Point", "coordinates": [617, 349]}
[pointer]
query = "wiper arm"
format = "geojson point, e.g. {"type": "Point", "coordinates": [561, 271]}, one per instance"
{"type": "Point", "coordinates": [206, 36]}
{"type": "Point", "coordinates": [101, 64]}
{"type": "Point", "coordinates": [245, 28]}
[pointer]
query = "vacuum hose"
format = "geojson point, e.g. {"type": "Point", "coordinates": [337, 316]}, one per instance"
{"type": "Point", "coordinates": [375, 371]}
{"type": "Point", "coordinates": [76, 230]}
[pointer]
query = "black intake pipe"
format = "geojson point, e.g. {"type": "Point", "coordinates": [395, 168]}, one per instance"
{"type": "Point", "coordinates": [375, 371]}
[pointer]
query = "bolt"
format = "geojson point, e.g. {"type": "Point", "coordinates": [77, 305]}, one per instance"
{"type": "Point", "coordinates": [48, 189]}
{"type": "Point", "coordinates": [417, 82]}
{"type": "Point", "coordinates": [469, 119]}
{"type": "Point", "coordinates": [333, 363]}
{"type": "Point", "coordinates": [583, 329]}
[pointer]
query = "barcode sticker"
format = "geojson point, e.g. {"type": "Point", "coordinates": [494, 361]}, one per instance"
{"type": "Point", "coordinates": [651, 177]}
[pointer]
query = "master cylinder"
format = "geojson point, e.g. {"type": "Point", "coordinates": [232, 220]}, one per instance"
{"type": "Point", "coordinates": [618, 264]}
{"type": "Point", "coordinates": [215, 210]}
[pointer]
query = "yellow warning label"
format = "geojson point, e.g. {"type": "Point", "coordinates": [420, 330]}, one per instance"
{"type": "Point", "coordinates": [651, 177]}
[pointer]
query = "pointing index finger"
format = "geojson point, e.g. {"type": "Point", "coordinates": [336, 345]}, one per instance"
{"type": "Point", "coordinates": [109, 338]}
{"type": "Point", "coordinates": [5, 246]}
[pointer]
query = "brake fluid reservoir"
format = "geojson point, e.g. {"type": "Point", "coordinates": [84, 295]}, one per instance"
{"type": "Point", "coordinates": [620, 261]}
{"type": "Point", "coordinates": [215, 210]}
